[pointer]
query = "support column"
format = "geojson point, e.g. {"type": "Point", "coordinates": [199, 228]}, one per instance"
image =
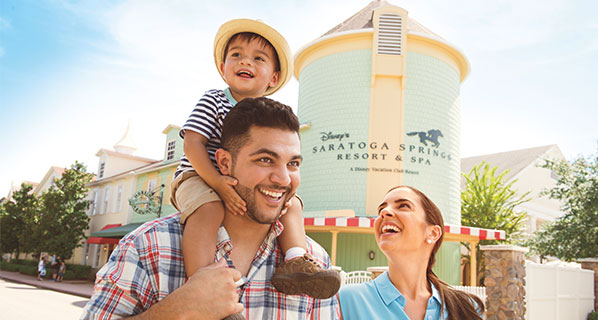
{"type": "Point", "coordinates": [592, 264]}
{"type": "Point", "coordinates": [504, 281]}
{"type": "Point", "coordinates": [473, 263]}
{"type": "Point", "coordinates": [333, 250]}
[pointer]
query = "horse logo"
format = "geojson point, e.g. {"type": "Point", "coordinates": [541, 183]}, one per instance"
{"type": "Point", "coordinates": [432, 136]}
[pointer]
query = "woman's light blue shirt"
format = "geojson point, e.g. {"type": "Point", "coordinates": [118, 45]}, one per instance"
{"type": "Point", "coordinates": [380, 299]}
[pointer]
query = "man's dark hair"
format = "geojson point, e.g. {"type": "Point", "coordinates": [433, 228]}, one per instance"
{"type": "Point", "coordinates": [248, 37]}
{"type": "Point", "coordinates": [260, 112]}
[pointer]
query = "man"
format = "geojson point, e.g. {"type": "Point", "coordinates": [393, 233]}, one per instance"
{"type": "Point", "coordinates": [146, 276]}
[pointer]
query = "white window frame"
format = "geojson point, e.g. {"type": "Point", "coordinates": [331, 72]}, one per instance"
{"type": "Point", "coordinates": [106, 204]}
{"type": "Point", "coordinates": [97, 252]}
{"type": "Point", "coordinates": [151, 185]}
{"type": "Point", "coordinates": [119, 195]}
{"type": "Point", "coordinates": [85, 257]}
{"type": "Point", "coordinates": [170, 149]}
{"type": "Point", "coordinates": [94, 210]}
{"type": "Point", "coordinates": [101, 170]}
{"type": "Point", "coordinates": [100, 201]}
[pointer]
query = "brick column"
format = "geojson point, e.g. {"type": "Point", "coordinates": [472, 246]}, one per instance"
{"type": "Point", "coordinates": [592, 264]}
{"type": "Point", "coordinates": [504, 281]}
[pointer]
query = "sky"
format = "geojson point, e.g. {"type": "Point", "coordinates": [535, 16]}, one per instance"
{"type": "Point", "coordinates": [74, 74]}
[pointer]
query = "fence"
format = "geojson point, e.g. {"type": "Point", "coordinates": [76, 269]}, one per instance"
{"type": "Point", "coordinates": [355, 277]}
{"type": "Point", "coordinates": [478, 291]}
{"type": "Point", "coordinates": [558, 291]}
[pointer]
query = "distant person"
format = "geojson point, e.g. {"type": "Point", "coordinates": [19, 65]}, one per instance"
{"type": "Point", "coordinates": [409, 230]}
{"type": "Point", "coordinates": [55, 266]}
{"type": "Point", "coordinates": [61, 270]}
{"type": "Point", "coordinates": [254, 60]}
{"type": "Point", "coordinates": [145, 274]}
{"type": "Point", "coordinates": [41, 269]}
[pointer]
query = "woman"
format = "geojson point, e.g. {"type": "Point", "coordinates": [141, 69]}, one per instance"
{"type": "Point", "coordinates": [409, 230]}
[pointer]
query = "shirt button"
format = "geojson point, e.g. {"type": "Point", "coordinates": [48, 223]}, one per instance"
{"type": "Point", "coordinates": [430, 317]}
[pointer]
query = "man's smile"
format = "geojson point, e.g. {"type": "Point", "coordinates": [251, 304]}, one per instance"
{"type": "Point", "coordinates": [276, 195]}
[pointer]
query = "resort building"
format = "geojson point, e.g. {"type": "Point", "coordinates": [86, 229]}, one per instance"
{"type": "Point", "coordinates": [379, 104]}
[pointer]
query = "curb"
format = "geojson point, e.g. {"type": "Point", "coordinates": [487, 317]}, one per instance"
{"type": "Point", "coordinates": [24, 279]}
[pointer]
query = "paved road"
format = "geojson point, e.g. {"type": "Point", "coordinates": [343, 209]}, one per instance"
{"type": "Point", "coordinates": [25, 302]}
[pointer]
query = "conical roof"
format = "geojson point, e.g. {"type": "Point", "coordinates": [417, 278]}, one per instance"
{"type": "Point", "coordinates": [363, 20]}
{"type": "Point", "coordinates": [125, 144]}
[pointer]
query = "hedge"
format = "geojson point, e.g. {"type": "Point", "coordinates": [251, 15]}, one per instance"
{"type": "Point", "coordinates": [73, 271]}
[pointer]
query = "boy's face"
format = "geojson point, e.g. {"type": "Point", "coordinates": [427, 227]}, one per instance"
{"type": "Point", "coordinates": [249, 68]}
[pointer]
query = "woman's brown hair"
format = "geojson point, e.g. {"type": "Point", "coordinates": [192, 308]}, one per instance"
{"type": "Point", "coordinates": [459, 304]}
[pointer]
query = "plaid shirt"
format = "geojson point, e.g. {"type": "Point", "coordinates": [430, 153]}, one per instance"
{"type": "Point", "coordinates": [148, 265]}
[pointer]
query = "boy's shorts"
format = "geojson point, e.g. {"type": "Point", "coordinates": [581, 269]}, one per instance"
{"type": "Point", "coordinates": [189, 192]}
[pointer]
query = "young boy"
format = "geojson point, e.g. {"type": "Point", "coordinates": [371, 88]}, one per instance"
{"type": "Point", "coordinates": [254, 60]}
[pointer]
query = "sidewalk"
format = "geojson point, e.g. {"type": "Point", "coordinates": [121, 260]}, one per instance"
{"type": "Point", "coordinates": [79, 288]}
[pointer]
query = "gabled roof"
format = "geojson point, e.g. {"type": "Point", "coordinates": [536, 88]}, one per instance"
{"type": "Point", "coordinates": [516, 160]}
{"type": "Point", "coordinates": [157, 166]}
{"type": "Point", "coordinates": [123, 155]}
{"type": "Point", "coordinates": [171, 126]}
{"type": "Point", "coordinates": [53, 169]}
{"type": "Point", "coordinates": [363, 20]}
{"type": "Point", "coordinates": [122, 174]}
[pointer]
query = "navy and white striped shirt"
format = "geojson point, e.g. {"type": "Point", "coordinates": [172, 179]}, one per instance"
{"type": "Point", "coordinates": [206, 119]}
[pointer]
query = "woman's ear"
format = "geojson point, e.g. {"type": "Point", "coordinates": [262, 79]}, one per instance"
{"type": "Point", "coordinates": [433, 234]}
{"type": "Point", "coordinates": [224, 161]}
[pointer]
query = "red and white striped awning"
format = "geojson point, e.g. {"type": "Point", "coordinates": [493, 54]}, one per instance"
{"type": "Point", "coordinates": [368, 222]}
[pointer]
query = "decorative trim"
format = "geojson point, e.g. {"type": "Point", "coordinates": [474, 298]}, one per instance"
{"type": "Point", "coordinates": [367, 222]}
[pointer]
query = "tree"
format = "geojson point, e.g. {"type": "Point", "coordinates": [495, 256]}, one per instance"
{"type": "Point", "coordinates": [18, 222]}
{"type": "Point", "coordinates": [491, 203]}
{"type": "Point", "coordinates": [575, 234]}
{"type": "Point", "coordinates": [63, 219]}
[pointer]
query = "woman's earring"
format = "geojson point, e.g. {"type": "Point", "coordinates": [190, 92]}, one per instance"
{"type": "Point", "coordinates": [429, 241]}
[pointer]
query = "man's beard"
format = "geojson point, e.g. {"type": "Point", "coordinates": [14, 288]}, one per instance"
{"type": "Point", "coordinates": [248, 195]}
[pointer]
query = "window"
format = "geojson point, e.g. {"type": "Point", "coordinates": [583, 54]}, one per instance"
{"type": "Point", "coordinates": [151, 185]}
{"type": "Point", "coordinates": [101, 171]}
{"type": "Point", "coordinates": [94, 203]}
{"type": "Point", "coordinates": [106, 200]}
{"type": "Point", "coordinates": [119, 195]}
{"type": "Point", "coordinates": [97, 253]}
{"type": "Point", "coordinates": [85, 257]}
{"type": "Point", "coordinates": [170, 149]}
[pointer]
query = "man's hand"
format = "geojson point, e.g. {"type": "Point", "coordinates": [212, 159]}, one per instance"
{"type": "Point", "coordinates": [230, 197]}
{"type": "Point", "coordinates": [210, 293]}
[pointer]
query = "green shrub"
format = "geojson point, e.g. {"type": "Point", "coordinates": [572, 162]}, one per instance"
{"type": "Point", "coordinates": [593, 315]}
{"type": "Point", "coordinates": [30, 270]}
{"type": "Point", "coordinates": [26, 262]}
{"type": "Point", "coordinates": [29, 267]}
{"type": "Point", "coordinates": [9, 267]}
{"type": "Point", "coordinates": [77, 272]}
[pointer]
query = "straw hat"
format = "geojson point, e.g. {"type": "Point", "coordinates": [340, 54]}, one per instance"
{"type": "Point", "coordinates": [232, 27]}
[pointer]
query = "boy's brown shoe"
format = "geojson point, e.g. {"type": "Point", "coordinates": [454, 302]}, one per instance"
{"type": "Point", "coordinates": [303, 275]}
